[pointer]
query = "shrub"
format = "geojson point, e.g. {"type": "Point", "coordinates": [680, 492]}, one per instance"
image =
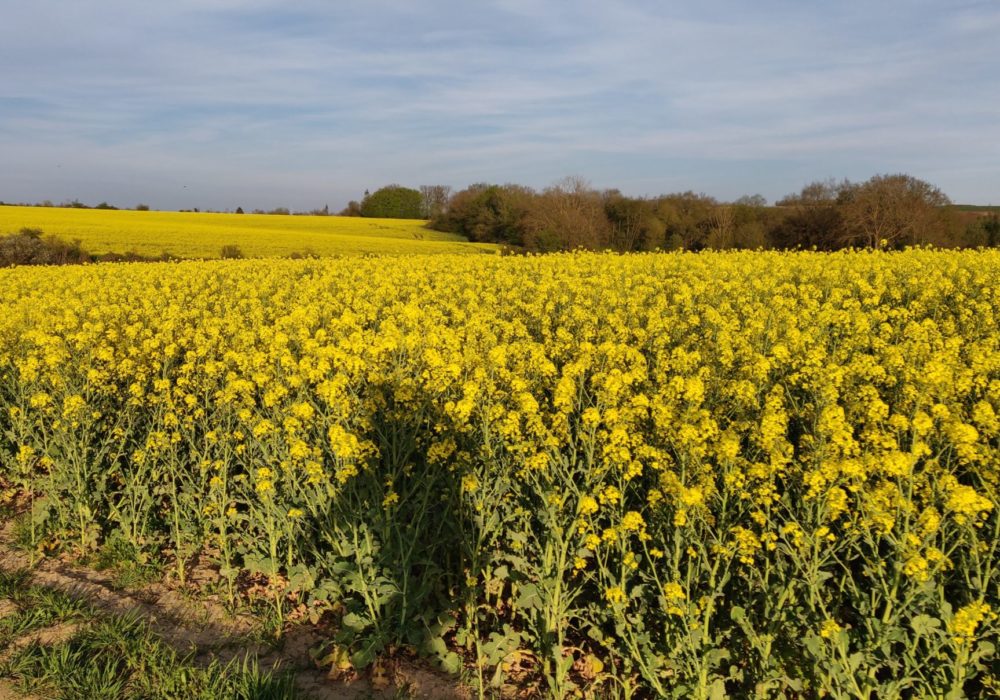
{"type": "Point", "coordinates": [29, 247]}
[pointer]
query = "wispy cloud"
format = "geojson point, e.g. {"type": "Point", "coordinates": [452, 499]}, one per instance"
{"type": "Point", "coordinates": [263, 103]}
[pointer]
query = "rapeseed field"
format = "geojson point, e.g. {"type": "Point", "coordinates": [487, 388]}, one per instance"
{"type": "Point", "coordinates": [202, 235]}
{"type": "Point", "coordinates": [742, 474]}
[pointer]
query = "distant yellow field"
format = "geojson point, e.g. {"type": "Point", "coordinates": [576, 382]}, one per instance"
{"type": "Point", "coordinates": [201, 235]}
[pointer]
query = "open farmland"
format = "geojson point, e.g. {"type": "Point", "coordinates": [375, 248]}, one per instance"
{"type": "Point", "coordinates": [202, 235]}
{"type": "Point", "coordinates": [655, 475]}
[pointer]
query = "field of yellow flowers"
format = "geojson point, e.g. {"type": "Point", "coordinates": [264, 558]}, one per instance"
{"type": "Point", "coordinates": [659, 475]}
{"type": "Point", "coordinates": [202, 235]}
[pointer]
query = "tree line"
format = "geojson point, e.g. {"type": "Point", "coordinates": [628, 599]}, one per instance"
{"type": "Point", "coordinates": [885, 211]}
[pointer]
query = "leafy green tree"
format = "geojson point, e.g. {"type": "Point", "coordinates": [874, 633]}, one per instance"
{"type": "Point", "coordinates": [393, 202]}
{"type": "Point", "coordinates": [984, 231]}
{"type": "Point", "coordinates": [488, 213]}
{"type": "Point", "coordinates": [688, 218]}
{"type": "Point", "coordinates": [634, 225]}
{"type": "Point", "coordinates": [752, 200]}
{"type": "Point", "coordinates": [992, 228]}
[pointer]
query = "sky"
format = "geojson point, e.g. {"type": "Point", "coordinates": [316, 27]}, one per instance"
{"type": "Point", "coordinates": [223, 103]}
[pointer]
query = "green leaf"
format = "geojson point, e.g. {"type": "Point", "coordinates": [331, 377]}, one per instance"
{"type": "Point", "coordinates": [362, 658]}
{"type": "Point", "coordinates": [924, 624]}
{"type": "Point", "coordinates": [814, 643]}
{"type": "Point", "coordinates": [596, 634]}
{"type": "Point", "coordinates": [717, 691]}
{"type": "Point", "coordinates": [715, 657]}
{"type": "Point", "coordinates": [565, 662]}
{"type": "Point", "coordinates": [40, 510]}
{"type": "Point", "coordinates": [497, 680]}
{"type": "Point", "coordinates": [528, 597]}
{"type": "Point", "coordinates": [355, 622]}
{"type": "Point", "coordinates": [437, 647]}
{"type": "Point", "coordinates": [300, 578]}
{"type": "Point", "coordinates": [451, 663]}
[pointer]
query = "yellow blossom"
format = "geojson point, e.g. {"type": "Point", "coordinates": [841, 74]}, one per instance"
{"type": "Point", "coordinates": [830, 628]}
{"type": "Point", "coordinates": [614, 595]}
{"type": "Point", "coordinates": [965, 622]}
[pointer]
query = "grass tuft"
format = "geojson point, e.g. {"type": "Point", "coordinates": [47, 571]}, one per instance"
{"type": "Point", "coordinates": [113, 657]}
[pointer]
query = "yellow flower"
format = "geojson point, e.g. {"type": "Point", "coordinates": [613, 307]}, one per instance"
{"type": "Point", "coordinates": [966, 620]}
{"type": "Point", "coordinates": [609, 495]}
{"type": "Point", "coordinates": [25, 455]}
{"type": "Point", "coordinates": [836, 502]}
{"type": "Point", "coordinates": [303, 411]}
{"type": "Point", "coordinates": [40, 400]}
{"type": "Point", "coordinates": [930, 521]}
{"type": "Point", "coordinates": [614, 595]}
{"type": "Point", "coordinates": [829, 628]}
{"type": "Point", "coordinates": [916, 568]}
{"type": "Point", "coordinates": [747, 544]}
{"type": "Point", "coordinates": [692, 497]}
{"type": "Point", "coordinates": [633, 522]}
{"type": "Point", "coordinates": [794, 532]}
{"type": "Point", "coordinates": [967, 505]}
{"type": "Point", "coordinates": [588, 505]}
{"type": "Point", "coordinates": [673, 594]}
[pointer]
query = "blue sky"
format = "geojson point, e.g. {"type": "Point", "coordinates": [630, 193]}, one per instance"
{"type": "Point", "coordinates": [226, 103]}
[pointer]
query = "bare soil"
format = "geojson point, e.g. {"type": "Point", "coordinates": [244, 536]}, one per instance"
{"type": "Point", "coordinates": [206, 628]}
{"type": "Point", "coordinates": [8, 693]}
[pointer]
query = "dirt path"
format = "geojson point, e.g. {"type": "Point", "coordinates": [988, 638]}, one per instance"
{"type": "Point", "coordinates": [204, 627]}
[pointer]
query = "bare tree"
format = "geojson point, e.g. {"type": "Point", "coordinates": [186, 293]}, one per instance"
{"type": "Point", "coordinates": [568, 215]}
{"type": "Point", "coordinates": [891, 210]}
{"type": "Point", "coordinates": [816, 193]}
{"type": "Point", "coordinates": [723, 232]}
{"type": "Point", "coordinates": [434, 200]}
